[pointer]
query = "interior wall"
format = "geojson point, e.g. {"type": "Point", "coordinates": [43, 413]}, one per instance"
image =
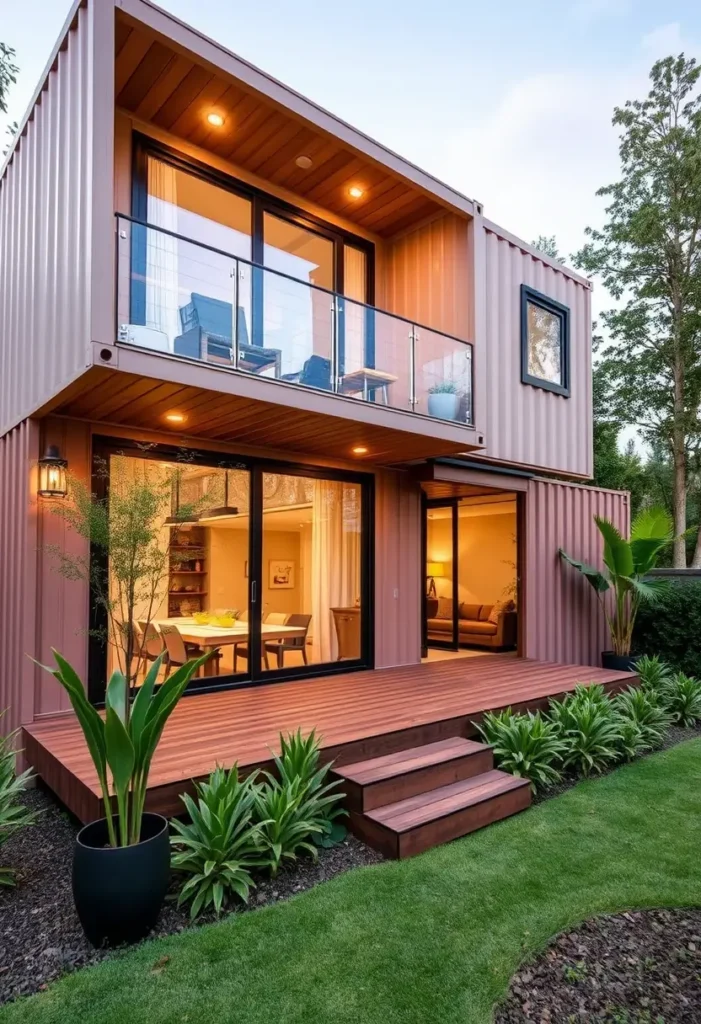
{"type": "Point", "coordinates": [486, 556]}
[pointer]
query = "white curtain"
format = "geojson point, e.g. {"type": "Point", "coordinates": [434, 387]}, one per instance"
{"type": "Point", "coordinates": [335, 560]}
{"type": "Point", "coordinates": [162, 294]}
{"type": "Point", "coordinates": [354, 287]}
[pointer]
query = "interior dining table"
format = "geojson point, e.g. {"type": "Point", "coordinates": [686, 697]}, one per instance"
{"type": "Point", "coordinates": [209, 637]}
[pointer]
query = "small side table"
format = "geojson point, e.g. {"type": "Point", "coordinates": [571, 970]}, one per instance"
{"type": "Point", "coordinates": [367, 381]}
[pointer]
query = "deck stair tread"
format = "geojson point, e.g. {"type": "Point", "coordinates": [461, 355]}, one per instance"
{"type": "Point", "coordinates": [389, 766]}
{"type": "Point", "coordinates": [415, 811]}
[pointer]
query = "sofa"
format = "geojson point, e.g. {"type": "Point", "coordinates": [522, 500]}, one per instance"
{"type": "Point", "coordinates": [480, 625]}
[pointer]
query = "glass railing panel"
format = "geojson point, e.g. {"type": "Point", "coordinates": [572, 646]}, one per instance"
{"type": "Point", "coordinates": [297, 331]}
{"type": "Point", "coordinates": [443, 376]}
{"type": "Point", "coordinates": [374, 356]}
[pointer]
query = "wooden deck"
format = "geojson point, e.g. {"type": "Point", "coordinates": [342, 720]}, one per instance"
{"type": "Point", "coordinates": [359, 715]}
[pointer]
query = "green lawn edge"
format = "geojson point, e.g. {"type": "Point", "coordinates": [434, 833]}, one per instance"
{"type": "Point", "coordinates": [433, 939]}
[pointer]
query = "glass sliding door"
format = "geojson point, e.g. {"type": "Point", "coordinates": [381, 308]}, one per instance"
{"type": "Point", "coordinates": [269, 569]}
{"type": "Point", "coordinates": [311, 578]}
{"type": "Point", "coordinates": [441, 575]}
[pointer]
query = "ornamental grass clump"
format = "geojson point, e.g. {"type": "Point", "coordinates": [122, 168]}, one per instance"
{"type": "Point", "coordinates": [13, 814]}
{"type": "Point", "coordinates": [299, 758]}
{"type": "Point", "coordinates": [586, 724]}
{"type": "Point", "coordinates": [524, 745]}
{"type": "Point", "coordinates": [645, 709]}
{"type": "Point", "coordinates": [681, 698]}
{"type": "Point", "coordinates": [653, 672]}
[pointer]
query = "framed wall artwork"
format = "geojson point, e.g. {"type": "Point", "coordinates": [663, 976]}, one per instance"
{"type": "Point", "coordinates": [281, 574]}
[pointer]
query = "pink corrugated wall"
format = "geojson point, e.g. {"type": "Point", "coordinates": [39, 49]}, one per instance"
{"type": "Point", "coordinates": [19, 451]}
{"type": "Point", "coordinates": [398, 570]}
{"type": "Point", "coordinates": [563, 621]}
{"type": "Point", "coordinates": [56, 232]}
{"type": "Point", "coordinates": [525, 424]}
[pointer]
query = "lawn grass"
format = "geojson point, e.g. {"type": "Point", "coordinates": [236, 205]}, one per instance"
{"type": "Point", "coordinates": [434, 939]}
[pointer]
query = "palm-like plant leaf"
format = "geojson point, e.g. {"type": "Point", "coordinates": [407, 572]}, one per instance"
{"type": "Point", "coordinates": [594, 576]}
{"type": "Point", "coordinates": [653, 522]}
{"type": "Point", "coordinates": [618, 557]}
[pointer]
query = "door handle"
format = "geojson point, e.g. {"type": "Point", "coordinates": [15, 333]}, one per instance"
{"type": "Point", "coordinates": [254, 591]}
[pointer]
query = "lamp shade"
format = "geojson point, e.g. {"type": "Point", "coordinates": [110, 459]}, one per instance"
{"type": "Point", "coordinates": [435, 569]}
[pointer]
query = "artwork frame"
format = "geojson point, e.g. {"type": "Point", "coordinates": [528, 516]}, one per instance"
{"type": "Point", "coordinates": [281, 574]}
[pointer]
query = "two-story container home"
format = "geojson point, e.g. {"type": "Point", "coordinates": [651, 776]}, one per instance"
{"type": "Point", "coordinates": [387, 396]}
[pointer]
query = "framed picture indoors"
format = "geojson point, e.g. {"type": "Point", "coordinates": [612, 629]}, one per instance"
{"type": "Point", "coordinates": [281, 574]}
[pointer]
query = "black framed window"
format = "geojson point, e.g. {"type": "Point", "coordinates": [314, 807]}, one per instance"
{"type": "Point", "coordinates": [545, 342]}
{"type": "Point", "coordinates": [280, 552]}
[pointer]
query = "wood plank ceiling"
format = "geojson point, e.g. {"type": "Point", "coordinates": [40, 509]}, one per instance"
{"type": "Point", "coordinates": [126, 399]}
{"type": "Point", "coordinates": [159, 85]}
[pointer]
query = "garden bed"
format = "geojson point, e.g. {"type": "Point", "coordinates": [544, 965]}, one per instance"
{"type": "Point", "coordinates": [632, 968]}
{"type": "Point", "coordinates": [41, 936]}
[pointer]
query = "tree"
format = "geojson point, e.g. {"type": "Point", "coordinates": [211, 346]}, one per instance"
{"type": "Point", "coordinates": [547, 244]}
{"type": "Point", "coordinates": [649, 257]}
{"type": "Point", "coordinates": [8, 74]}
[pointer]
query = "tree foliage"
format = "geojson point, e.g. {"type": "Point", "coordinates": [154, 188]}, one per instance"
{"type": "Point", "coordinates": [8, 74]}
{"type": "Point", "coordinates": [648, 255]}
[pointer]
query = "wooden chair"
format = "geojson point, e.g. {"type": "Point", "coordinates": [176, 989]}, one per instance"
{"type": "Point", "coordinates": [293, 643]}
{"type": "Point", "coordinates": [149, 642]}
{"type": "Point", "coordinates": [177, 651]}
{"type": "Point", "coordinates": [347, 623]}
{"type": "Point", "coordinates": [242, 649]}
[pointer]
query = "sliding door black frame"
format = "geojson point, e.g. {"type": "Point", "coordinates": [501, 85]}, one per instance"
{"type": "Point", "coordinates": [105, 446]}
{"type": "Point", "coordinates": [451, 503]}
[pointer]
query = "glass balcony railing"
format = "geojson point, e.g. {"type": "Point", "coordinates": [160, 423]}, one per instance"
{"type": "Point", "coordinates": [188, 299]}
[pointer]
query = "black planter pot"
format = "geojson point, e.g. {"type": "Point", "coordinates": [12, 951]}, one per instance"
{"type": "Point", "coordinates": [618, 662]}
{"type": "Point", "coordinates": [119, 892]}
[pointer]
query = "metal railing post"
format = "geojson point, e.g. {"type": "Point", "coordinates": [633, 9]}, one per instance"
{"type": "Point", "coordinates": [334, 342]}
{"type": "Point", "coordinates": [235, 319]}
{"type": "Point", "coordinates": [412, 368]}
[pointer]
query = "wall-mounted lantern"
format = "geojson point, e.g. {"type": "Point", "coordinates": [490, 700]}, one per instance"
{"type": "Point", "coordinates": [52, 474]}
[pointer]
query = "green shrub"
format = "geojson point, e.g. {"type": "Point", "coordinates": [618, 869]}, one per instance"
{"type": "Point", "coordinates": [645, 708]}
{"type": "Point", "coordinates": [13, 814]}
{"type": "Point", "coordinates": [524, 745]}
{"type": "Point", "coordinates": [672, 628]}
{"type": "Point", "coordinates": [281, 809]}
{"type": "Point", "coordinates": [681, 698]}
{"type": "Point", "coordinates": [299, 759]}
{"type": "Point", "coordinates": [220, 844]}
{"type": "Point", "coordinates": [653, 672]}
{"type": "Point", "coordinates": [586, 724]}
{"type": "Point", "coordinates": [630, 741]}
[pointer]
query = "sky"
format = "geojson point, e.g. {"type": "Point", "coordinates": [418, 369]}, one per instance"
{"type": "Point", "coordinates": [508, 102]}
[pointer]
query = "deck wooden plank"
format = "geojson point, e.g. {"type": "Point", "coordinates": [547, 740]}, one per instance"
{"type": "Point", "coordinates": [359, 715]}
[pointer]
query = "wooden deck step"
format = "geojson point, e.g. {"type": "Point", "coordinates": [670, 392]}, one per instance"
{"type": "Point", "coordinates": [410, 826]}
{"type": "Point", "coordinates": [405, 773]}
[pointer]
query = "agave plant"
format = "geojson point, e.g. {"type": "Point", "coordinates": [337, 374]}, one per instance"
{"type": "Point", "coordinates": [681, 697]}
{"type": "Point", "coordinates": [643, 708]}
{"type": "Point", "coordinates": [281, 808]}
{"type": "Point", "coordinates": [654, 673]}
{"type": "Point", "coordinates": [219, 844]}
{"type": "Point", "coordinates": [626, 564]}
{"type": "Point", "coordinates": [524, 745]}
{"type": "Point", "coordinates": [299, 759]}
{"type": "Point", "coordinates": [124, 741]}
{"type": "Point", "coordinates": [13, 814]}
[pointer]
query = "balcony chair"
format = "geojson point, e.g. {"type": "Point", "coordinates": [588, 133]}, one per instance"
{"type": "Point", "coordinates": [316, 373]}
{"type": "Point", "coordinates": [179, 653]}
{"type": "Point", "coordinates": [293, 643]}
{"type": "Point", "coordinates": [206, 334]}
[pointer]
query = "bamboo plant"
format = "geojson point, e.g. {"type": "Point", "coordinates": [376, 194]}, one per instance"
{"type": "Point", "coordinates": [626, 565]}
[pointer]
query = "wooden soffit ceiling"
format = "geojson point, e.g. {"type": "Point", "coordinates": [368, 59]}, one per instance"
{"type": "Point", "coordinates": [160, 85]}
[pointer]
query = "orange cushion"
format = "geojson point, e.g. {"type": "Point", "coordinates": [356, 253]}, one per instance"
{"type": "Point", "coordinates": [485, 612]}
{"type": "Point", "coordinates": [469, 611]}
{"type": "Point", "coordinates": [478, 628]}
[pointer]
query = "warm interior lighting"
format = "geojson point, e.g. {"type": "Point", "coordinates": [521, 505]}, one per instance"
{"type": "Point", "coordinates": [52, 474]}
{"type": "Point", "coordinates": [175, 417]}
{"type": "Point", "coordinates": [433, 569]}
{"type": "Point", "coordinates": [359, 450]}
{"type": "Point", "coordinates": [215, 119]}
{"type": "Point", "coordinates": [225, 511]}
{"type": "Point", "coordinates": [356, 192]}
{"type": "Point", "coordinates": [304, 162]}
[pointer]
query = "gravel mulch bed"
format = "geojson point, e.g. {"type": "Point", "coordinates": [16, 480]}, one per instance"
{"type": "Point", "coordinates": [633, 968]}
{"type": "Point", "coordinates": [41, 937]}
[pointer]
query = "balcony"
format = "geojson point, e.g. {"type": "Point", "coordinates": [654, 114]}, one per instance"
{"type": "Point", "coordinates": [198, 303]}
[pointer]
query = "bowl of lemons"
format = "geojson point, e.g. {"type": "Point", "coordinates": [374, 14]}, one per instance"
{"type": "Point", "coordinates": [202, 618]}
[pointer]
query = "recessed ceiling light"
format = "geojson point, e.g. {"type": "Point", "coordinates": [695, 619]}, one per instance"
{"type": "Point", "coordinates": [175, 417]}
{"type": "Point", "coordinates": [356, 192]}
{"type": "Point", "coordinates": [216, 119]}
{"type": "Point", "coordinates": [360, 449]}
{"type": "Point", "coordinates": [304, 162]}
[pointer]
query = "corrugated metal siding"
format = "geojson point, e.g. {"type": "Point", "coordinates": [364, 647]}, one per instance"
{"type": "Point", "coordinates": [525, 424]}
{"type": "Point", "coordinates": [563, 619]}
{"type": "Point", "coordinates": [53, 199]}
{"type": "Point", "coordinates": [425, 276]}
{"type": "Point", "coordinates": [398, 570]}
{"type": "Point", "coordinates": [19, 451]}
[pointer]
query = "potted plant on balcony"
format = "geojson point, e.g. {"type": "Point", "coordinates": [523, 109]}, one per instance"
{"type": "Point", "coordinates": [121, 864]}
{"type": "Point", "coordinates": [621, 587]}
{"type": "Point", "coordinates": [444, 400]}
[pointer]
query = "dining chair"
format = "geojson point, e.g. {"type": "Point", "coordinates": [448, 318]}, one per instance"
{"type": "Point", "coordinates": [241, 649]}
{"type": "Point", "coordinates": [292, 643]}
{"type": "Point", "coordinates": [178, 652]}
